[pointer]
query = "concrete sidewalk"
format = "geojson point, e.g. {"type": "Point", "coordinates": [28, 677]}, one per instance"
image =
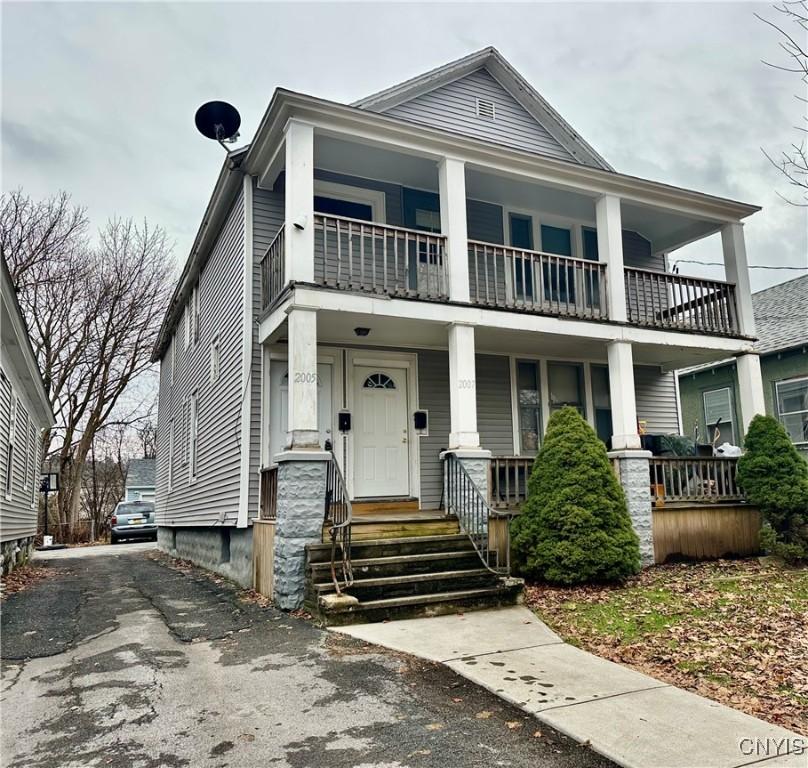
{"type": "Point", "coordinates": [631, 718]}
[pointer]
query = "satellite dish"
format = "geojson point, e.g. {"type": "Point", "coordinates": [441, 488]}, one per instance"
{"type": "Point", "coordinates": [219, 121]}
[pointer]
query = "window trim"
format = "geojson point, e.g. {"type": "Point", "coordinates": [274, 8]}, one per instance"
{"type": "Point", "coordinates": [375, 198]}
{"type": "Point", "coordinates": [780, 414]}
{"type": "Point", "coordinates": [215, 359]}
{"type": "Point", "coordinates": [730, 390]}
{"type": "Point", "coordinates": [171, 448]}
{"type": "Point", "coordinates": [8, 489]}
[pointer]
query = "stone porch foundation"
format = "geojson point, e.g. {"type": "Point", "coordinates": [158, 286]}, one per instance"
{"type": "Point", "coordinates": [632, 470]}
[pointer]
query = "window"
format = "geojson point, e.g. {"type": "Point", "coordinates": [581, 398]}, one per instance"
{"type": "Point", "coordinates": [214, 358]}
{"type": "Point", "coordinates": [592, 282]}
{"type": "Point", "coordinates": [195, 314]}
{"type": "Point", "coordinates": [521, 234]}
{"type": "Point", "coordinates": [379, 381]}
{"type": "Point", "coordinates": [34, 455]}
{"type": "Point", "coordinates": [601, 401]}
{"type": "Point", "coordinates": [486, 109]}
{"type": "Point", "coordinates": [26, 448]}
{"type": "Point", "coordinates": [566, 382]}
{"type": "Point", "coordinates": [187, 328]}
{"type": "Point", "coordinates": [12, 431]}
{"type": "Point", "coordinates": [718, 407]}
{"type": "Point", "coordinates": [559, 282]}
{"type": "Point", "coordinates": [193, 437]}
{"type": "Point", "coordinates": [170, 454]}
{"type": "Point", "coordinates": [173, 353]}
{"type": "Point", "coordinates": [792, 407]}
{"type": "Point", "coordinates": [528, 394]}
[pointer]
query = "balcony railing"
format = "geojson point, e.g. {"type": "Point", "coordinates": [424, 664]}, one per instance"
{"type": "Point", "coordinates": [694, 479]}
{"type": "Point", "coordinates": [666, 300]}
{"type": "Point", "coordinates": [514, 278]}
{"type": "Point", "coordinates": [272, 269]}
{"type": "Point", "coordinates": [375, 258]}
{"type": "Point", "coordinates": [508, 481]}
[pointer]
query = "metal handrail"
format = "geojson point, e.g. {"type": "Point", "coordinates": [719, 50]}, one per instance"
{"type": "Point", "coordinates": [338, 516]}
{"type": "Point", "coordinates": [466, 501]}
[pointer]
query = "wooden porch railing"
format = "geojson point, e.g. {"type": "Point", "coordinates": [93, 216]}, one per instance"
{"type": "Point", "coordinates": [376, 258]}
{"type": "Point", "coordinates": [272, 269]}
{"type": "Point", "coordinates": [667, 300]}
{"type": "Point", "coordinates": [544, 283]}
{"type": "Point", "coordinates": [694, 479]}
{"type": "Point", "coordinates": [508, 481]}
{"type": "Point", "coordinates": [268, 494]}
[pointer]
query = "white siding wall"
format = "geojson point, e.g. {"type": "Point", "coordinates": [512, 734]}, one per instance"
{"type": "Point", "coordinates": [453, 107]}
{"type": "Point", "coordinates": [213, 497]}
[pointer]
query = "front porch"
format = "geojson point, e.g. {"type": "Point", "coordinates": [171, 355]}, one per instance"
{"type": "Point", "coordinates": [380, 398]}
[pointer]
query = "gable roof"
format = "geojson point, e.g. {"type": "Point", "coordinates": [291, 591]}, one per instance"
{"type": "Point", "coordinates": [141, 473]}
{"type": "Point", "coordinates": [492, 61]}
{"type": "Point", "coordinates": [780, 315]}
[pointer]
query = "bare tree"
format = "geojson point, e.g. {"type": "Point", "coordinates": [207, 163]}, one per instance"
{"type": "Point", "coordinates": [792, 26]}
{"type": "Point", "coordinates": [104, 477]}
{"type": "Point", "coordinates": [94, 314]}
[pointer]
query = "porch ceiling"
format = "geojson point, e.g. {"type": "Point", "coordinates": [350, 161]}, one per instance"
{"type": "Point", "coordinates": [338, 329]}
{"type": "Point", "coordinates": [666, 229]}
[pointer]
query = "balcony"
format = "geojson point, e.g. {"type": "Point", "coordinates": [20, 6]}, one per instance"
{"type": "Point", "coordinates": [374, 258]}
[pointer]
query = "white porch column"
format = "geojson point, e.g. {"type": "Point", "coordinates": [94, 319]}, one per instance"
{"type": "Point", "coordinates": [462, 389]}
{"type": "Point", "coordinates": [610, 251]}
{"type": "Point", "coordinates": [737, 271]}
{"type": "Point", "coordinates": [452, 186]}
{"type": "Point", "coordinates": [299, 196]}
{"type": "Point", "coordinates": [750, 388]}
{"type": "Point", "coordinates": [302, 425]}
{"type": "Point", "coordinates": [624, 405]}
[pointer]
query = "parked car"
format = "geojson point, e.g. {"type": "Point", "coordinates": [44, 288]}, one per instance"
{"type": "Point", "coordinates": [133, 519]}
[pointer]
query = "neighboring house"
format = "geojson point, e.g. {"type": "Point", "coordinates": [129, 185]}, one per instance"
{"type": "Point", "coordinates": [140, 480]}
{"type": "Point", "coordinates": [710, 392]}
{"type": "Point", "coordinates": [437, 267]}
{"type": "Point", "coordinates": [25, 411]}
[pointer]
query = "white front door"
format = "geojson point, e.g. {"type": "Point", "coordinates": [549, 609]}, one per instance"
{"type": "Point", "coordinates": [381, 450]}
{"type": "Point", "coordinates": [279, 404]}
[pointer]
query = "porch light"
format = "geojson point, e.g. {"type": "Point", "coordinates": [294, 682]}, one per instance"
{"type": "Point", "coordinates": [361, 331]}
{"type": "Point", "coordinates": [301, 221]}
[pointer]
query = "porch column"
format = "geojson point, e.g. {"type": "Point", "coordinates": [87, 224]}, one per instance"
{"type": "Point", "coordinates": [624, 404]}
{"type": "Point", "coordinates": [462, 389]}
{"type": "Point", "coordinates": [737, 272]}
{"type": "Point", "coordinates": [452, 186]}
{"type": "Point", "coordinates": [299, 202]}
{"type": "Point", "coordinates": [750, 388]}
{"type": "Point", "coordinates": [303, 432]}
{"type": "Point", "coordinates": [610, 251]}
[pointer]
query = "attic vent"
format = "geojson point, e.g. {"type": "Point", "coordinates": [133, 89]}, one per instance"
{"type": "Point", "coordinates": [486, 109]}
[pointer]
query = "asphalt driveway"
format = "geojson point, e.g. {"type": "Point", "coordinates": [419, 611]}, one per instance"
{"type": "Point", "coordinates": [118, 659]}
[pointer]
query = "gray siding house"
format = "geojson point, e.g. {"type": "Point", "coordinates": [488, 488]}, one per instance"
{"type": "Point", "coordinates": [25, 411]}
{"type": "Point", "coordinates": [140, 480]}
{"type": "Point", "coordinates": [417, 280]}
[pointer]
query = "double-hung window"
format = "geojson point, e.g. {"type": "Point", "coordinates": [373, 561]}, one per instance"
{"type": "Point", "coordinates": [171, 454]}
{"type": "Point", "coordinates": [718, 415]}
{"type": "Point", "coordinates": [215, 358]}
{"type": "Point", "coordinates": [521, 235]}
{"type": "Point", "coordinates": [792, 407]}
{"type": "Point", "coordinates": [528, 394]}
{"type": "Point", "coordinates": [12, 433]}
{"type": "Point", "coordinates": [193, 437]}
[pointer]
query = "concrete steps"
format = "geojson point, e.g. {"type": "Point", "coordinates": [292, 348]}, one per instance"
{"type": "Point", "coordinates": [406, 576]}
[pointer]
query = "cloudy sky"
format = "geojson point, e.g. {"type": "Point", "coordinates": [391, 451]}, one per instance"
{"type": "Point", "coordinates": [99, 98]}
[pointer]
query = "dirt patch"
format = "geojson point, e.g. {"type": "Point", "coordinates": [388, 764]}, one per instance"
{"type": "Point", "coordinates": [733, 631]}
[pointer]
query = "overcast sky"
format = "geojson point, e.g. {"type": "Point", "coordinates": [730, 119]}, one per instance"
{"type": "Point", "coordinates": [99, 98]}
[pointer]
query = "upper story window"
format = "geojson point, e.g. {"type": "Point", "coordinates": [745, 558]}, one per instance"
{"type": "Point", "coordinates": [12, 432]}
{"type": "Point", "coordinates": [173, 361]}
{"type": "Point", "coordinates": [170, 454]}
{"type": "Point", "coordinates": [486, 109]}
{"type": "Point", "coordinates": [718, 415]}
{"type": "Point", "coordinates": [193, 437]}
{"type": "Point", "coordinates": [195, 314]}
{"type": "Point", "coordinates": [792, 407]}
{"type": "Point", "coordinates": [215, 358]}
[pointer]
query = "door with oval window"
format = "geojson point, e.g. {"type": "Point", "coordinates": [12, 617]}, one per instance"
{"type": "Point", "coordinates": [381, 450]}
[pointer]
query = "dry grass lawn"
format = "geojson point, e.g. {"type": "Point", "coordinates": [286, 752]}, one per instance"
{"type": "Point", "coordinates": [733, 631]}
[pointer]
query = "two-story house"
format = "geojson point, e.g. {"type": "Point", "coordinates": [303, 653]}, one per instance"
{"type": "Point", "coordinates": [385, 303]}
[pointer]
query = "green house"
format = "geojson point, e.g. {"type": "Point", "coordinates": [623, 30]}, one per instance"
{"type": "Point", "coordinates": [708, 393]}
